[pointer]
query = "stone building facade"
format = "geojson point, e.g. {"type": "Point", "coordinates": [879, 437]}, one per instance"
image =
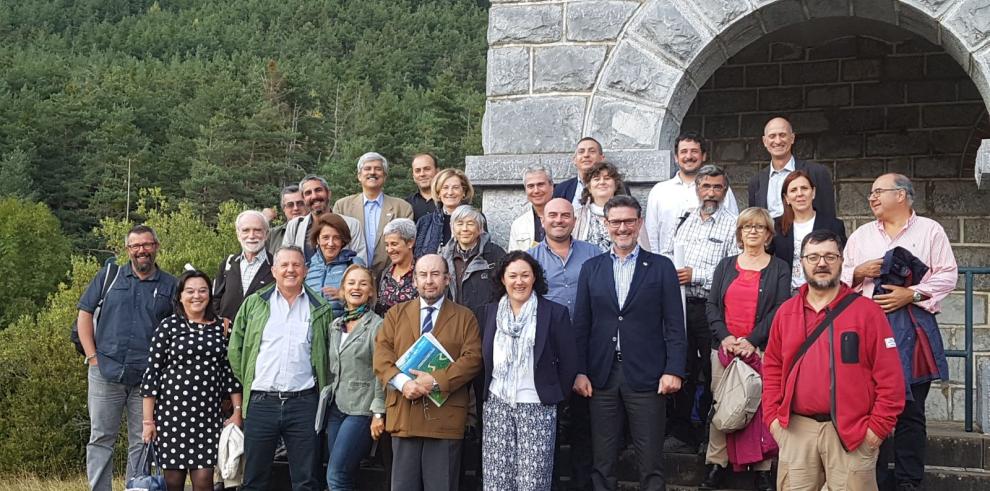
{"type": "Point", "coordinates": [871, 86]}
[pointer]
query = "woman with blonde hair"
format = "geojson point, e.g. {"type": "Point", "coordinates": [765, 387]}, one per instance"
{"type": "Point", "coordinates": [451, 188]}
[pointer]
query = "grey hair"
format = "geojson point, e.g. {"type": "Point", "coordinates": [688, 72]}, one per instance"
{"type": "Point", "coordinates": [314, 177]}
{"type": "Point", "coordinates": [255, 213]}
{"type": "Point", "coordinates": [711, 170]}
{"type": "Point", "coordinates": [533, 169]}
{"type": "Point", "coordinates": [902, 182]}
{"type": "Point", "coordinates": [293, 248]}
{"type": "Point", "coordinates": [291, 188]}
{"type": "Point", "coordinates": [405, 227]}
{"type": "Point", "coordinates": [372, 156]}
{"type": "Point", "coordinates": [468, 212]}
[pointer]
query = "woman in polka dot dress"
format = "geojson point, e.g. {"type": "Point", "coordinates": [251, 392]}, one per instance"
{"type": "Point", "coordinates": [187, 377]}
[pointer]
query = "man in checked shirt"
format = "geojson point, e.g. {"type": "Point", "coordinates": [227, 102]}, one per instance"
{"type": "Point", "coordinates": [702, 238]}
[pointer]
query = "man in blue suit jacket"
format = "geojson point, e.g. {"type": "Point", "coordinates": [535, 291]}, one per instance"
{"type": "Point", "coordinates": [631, 346]}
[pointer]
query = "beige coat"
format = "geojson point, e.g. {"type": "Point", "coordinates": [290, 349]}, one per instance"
{"type": "Point", "coordinates": [392, 208]}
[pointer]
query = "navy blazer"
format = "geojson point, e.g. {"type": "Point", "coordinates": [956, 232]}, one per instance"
{"type": "Point", "coordinates": [824, 201]}
{"type": "Point", "coordinates": [554, 354]}
{"type": "Point", "coordinates": [651, 323]}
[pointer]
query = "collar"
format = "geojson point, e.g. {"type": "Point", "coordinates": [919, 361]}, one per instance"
{"type": "Point", "coordinates": [260, 256]}
{"type": "Point", "coordinates": [843, 291]}
{"type": "Point", "coordinates": [129, 271]}
{"type": "Point", "coordinates": [680, 182]}
{"type": "Point", "coordinates": [380, 199]}
{"type": "Point", "coordinates": [423, 305]}
{"type": "Point", "coordinates": [277, 295]}
{"type": "Point", "coordinates": [715, 216]}
{"type": "Point", "coordinates": [913, 218]}
{"type": "Point", "coordinates": [789, 167]}
{"type": "Point", "coordinates": [632, 255]}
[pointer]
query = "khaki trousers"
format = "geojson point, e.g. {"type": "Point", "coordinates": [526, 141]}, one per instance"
{"type": "Point", "coordinates": [717, 451]}
{"type": "Point", "coordinates": [811, 456]}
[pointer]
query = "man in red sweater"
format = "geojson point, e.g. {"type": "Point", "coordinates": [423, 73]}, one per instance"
{"type": "Point", "coordinates": [830, 409]}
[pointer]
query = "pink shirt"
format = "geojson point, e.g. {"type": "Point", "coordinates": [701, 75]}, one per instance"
{"type": "Point", "coordinates": [924, 237]}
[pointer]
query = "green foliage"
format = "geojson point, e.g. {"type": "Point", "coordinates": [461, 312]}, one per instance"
{"type": "Point", "coordinates": [15, 176]}
{"type": "Point", "coordinates": [35, 257]}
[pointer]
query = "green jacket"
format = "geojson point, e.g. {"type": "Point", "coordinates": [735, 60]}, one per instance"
{"type": "Point", "coordinates": [356, 390]}
{"type": "Point", "coordinates": [245, 337]}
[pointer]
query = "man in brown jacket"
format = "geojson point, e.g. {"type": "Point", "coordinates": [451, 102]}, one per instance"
{"type": "Point", "coordinates": [426, 439]}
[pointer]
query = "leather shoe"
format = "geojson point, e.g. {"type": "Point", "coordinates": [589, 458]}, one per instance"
{"type": "Point", "coordinates": [764, 481]}
{"type": "Point", "coordinates": [714, 477]}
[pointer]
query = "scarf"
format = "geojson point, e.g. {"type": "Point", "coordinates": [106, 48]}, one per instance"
{"type": "Point", "coordinates": [596, 227]}
{"type": "Point", "coordinates": [350, 315]}
{"type": "Point", "coordinates": [515, 336]}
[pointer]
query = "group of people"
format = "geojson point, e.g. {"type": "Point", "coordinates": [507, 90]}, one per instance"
{"type": "Point", "coordinates": [606, 321]}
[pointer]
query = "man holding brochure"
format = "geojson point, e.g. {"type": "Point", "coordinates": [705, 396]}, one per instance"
{"type": "Point", "coordinates": [426, 436]}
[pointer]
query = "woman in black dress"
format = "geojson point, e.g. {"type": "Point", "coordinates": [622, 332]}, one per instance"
{"type": "Point", "coordinates": [187, 377]}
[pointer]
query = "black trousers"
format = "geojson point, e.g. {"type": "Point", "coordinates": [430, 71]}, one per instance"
{"type": "Point", "coordinates": [574, 427]}
{"type": "Point", "coordinates": [610, 406]}
{"type": "Point", "coordinates": [699, 374]}
{"type": "Point", "coordinates": [906, 449]}
{"type": "Point", "coordinates": [270, 417]}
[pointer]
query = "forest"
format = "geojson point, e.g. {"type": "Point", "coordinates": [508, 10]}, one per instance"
{"type": "Point", "coordinates": [181, 113]}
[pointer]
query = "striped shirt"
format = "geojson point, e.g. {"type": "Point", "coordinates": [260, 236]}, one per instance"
{"type": "Point", "coordinates": [705, 243]}
{"type": "Point", "coordinates": [622, 271]}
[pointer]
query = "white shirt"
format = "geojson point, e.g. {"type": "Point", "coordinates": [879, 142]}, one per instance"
{"type": "Point", "coordinates": [400, 378]}
{"type": "Point", "coordinates": [283, 362]}
{"type": "Point", "coordinates": [667, 202]}
{"type": "Point", "coordinates": [774, 203]}
{"type": "Point", "coordinates": [249, 269]}
{"type": "Point", "coordinates": [801, 230]}
{"type": "Point", "coordinates": [576, 200]}
{"type": "Point", "coordinates": [526, 388]}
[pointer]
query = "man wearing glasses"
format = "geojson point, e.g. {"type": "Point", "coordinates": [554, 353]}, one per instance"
{"type": "Point", "coordinates": [832, 383]}
{"type": "Point", "coordinates": [293, 206]}
{"type": "Point", "coordinates": [702, 238]}
{"type": "Point", "coordinates": [138, 298]}
{"type": "Point", "coordinates": [868, 258]}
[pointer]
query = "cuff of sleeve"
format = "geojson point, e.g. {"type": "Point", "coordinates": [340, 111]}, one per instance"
{"type": "Point", "coordinates": [399, 380]}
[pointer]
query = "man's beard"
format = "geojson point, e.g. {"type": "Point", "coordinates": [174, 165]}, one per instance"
{"type": "Point", "coordinates": [709, 206]}
{"type": "Point", "coordinates": [253, 250]}
{"type": "Point", "coordinates": [821, 284]}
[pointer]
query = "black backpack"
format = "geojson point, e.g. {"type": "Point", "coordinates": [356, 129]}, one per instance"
{"type": "Point", "coordinates": [111, 270]}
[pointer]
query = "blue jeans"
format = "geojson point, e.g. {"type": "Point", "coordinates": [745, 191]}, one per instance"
{"type": "Point", "coordinates": [269, 417]}
{"type": "Point", "coordinates": [348, 440]}
{"type": "Point", "coordinates": [107, 402]}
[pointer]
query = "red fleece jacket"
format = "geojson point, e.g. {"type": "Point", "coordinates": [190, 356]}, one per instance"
{"type": "Point", "coordinates": [867, 388]}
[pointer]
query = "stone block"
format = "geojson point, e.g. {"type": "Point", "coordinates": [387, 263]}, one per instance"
{"type": "Point", "coordinates": [722, 126]}
{"type": "Point", "coordinates": [625, 125]}
{"type": "Point", "coordinates": [751, 125]}
{"type": "Point", "coordinates": [982, 167]}
{"type": "Point", "coordinates": [758, 52]}
{"type": "Point", "coordinates": [960, 198]}
{"type": "Point", "coordinates": [930, 6]}
{"type": "Point", "coordinates": [852, 199]}
{"type": "Point", "coordinates": [937, 404]}
{"type": "Point", "coordinates": [763, 75]}
{"type": "Point", "coordinates": [566, 68]}
{"type": "Point", "coordinates": [973, 256]}
{"type": "Point", "coordinates": [871, 94]}
{"type": "Point", "coordinates": [785, 99]}
{"type": "Point", "coordinates": [782, 14]}
{"type": "Point", "coordinates": [982, 415]}
{"type": "Point", "coordinates": [693, 123]}
{"type": "Point", "coordinates": [976, 231]}
{"type": "Point", "coordinates": [845, 47]}
{"type": "Point", "coordinates": [858, 168]}
{"type": "Point", "coordinates": [910, 67]}
{"type": "Point", "coordinates": [637, 166]}
{"type": "Point", "coordinates": [964, 114]}
{"type": "Point", "coordinates": [828, 96]}
{"type": "Point", "coordinates": [525, 24]}
{"type": "Point", "coordinates": [860, 69]}
{"type": "Point", "coordinates": [597, 21]}
{"type": "Point", "coordinates": [952, 337]}
{"type": "Point", "coordinates": [806, 146]}
{"type": "Point", "coordinates": [756, 152]}
{"type": "Point", "coordinates": [903, 117]}
{"type": "Point", "coordinates": [665, 26]}
{"type": "Point", "coordinates": [786, 52]}
{"type": "Point", "coordinates": [811, 73]}
{"type": "Point", "coordinates": [900, 166]}
{"type": "Point", "coordinates": [941, 65]}
{"type": "Point", "coordinates": [808, 122]}
{"type": "Point", "coordinates": [957, 371]}
{"type": "Point", "coordinates": [727, 101]}
{"type": "Point", "coordinates": [827, 8]}
{"type": "Point", "coordinates": [959, 401]}
{"type": "Point", "coordinates": [951, 227]}
{"type": "Point", "coordinates": [971, 22]}
{"type": "Point", "coordinates": [917, 45]}
{"type": "Point", "coordinates": [890, 144]}
{"type": "Point", "coordinates": [856, 120]}
{"type": "Point", "coordinates": [721, 13]}
{"type": "Point", "coordinates": [727, 77]}
{"type": "Point", "coordinates": [954, 141]}
{"type": "Point", "coordinates": [836, 146]}
{"type": "Point", "coordinates": [968, 91]}
{"type": "Point", "coordinates": [931, 91]}
{"type": "Point", "coordinates": [508, 71]}
{"type": "Point", "coordinates": [872, 9]}
{"type": "Point", "coordinates": [728, 151]}
{"type": "Point", "coordinates": [640, 75]}
{"type": "Point", "coordinates": [501, 206]}
{"type": "Point", "coordinates": [534, 125]}
{"type": "Point", "coordinates": [954, 310]}
{"type": "Point", "coordinates": [941, 166]}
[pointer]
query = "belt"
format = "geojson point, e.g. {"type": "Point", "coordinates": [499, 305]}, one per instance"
{"type": "Point", "coordinates": [696, 300]}
{"type": "Point", "coordinates": [618, 355]}
{"type": "Point", "coordinates": [821, 418]}
{"type": "Point", "coordinates": [283, 395]}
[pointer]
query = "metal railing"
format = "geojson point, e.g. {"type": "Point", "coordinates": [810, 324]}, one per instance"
{"type": "Point", "coordinates": [967, 352]}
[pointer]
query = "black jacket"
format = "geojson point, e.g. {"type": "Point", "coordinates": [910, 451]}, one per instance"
{"type": "Point", "coordinates": [475, 288]}
{"type": "Point", "coordinates": [227, 291]}
{"type": "Point", "coordinates": [824, 195]}
{"type": "Point", "coordinates": [782, 245]}
{"type": "Point", "coordinates": [775, 288]}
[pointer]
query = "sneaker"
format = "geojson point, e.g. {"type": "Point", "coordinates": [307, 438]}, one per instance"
{"type": "Point", "coordinates": [675, 445]}
{"type": "Point", "coordinates": [714, 477]}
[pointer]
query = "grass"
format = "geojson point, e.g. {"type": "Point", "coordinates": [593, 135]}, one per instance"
{"type": "Point", "coordinates": [34, 483]}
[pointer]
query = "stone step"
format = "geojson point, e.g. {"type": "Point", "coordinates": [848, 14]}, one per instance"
{"type": "Point", "coordinates": [950, 446]}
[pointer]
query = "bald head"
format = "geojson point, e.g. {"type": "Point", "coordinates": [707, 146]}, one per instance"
{"type": "Point", "coordinates": [778, 138]}
{"type": "Point", "coordinates": [891, 198]}
{"type": "Point", "coordinates": [558, 220]}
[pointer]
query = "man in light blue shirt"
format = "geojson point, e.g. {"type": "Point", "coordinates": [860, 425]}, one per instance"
{"type": "Point", "coordinates": [560, 255]}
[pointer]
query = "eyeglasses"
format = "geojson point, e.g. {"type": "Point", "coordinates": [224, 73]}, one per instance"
{"type": "Point", "coordinates": [878, 191]}
{"type": "Point", "coordinates": [294, 204]}
{"type": "Point", "coordinates": [815, 258]}
{"type": "Point", "coordinates": [755, 227]}
{"type": "Point", "coordinates": [713, 187]}
{"type": "Point", "coordinates": [616, 224]}
{"type": "Point", "coordinates": [144, 245]}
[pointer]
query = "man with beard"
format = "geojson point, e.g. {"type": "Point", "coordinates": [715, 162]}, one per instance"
{"type": "Point", "coordinates": [316, 195]}
{"type": "Point", "coordinates": [245, 273]}
{"type": "Point", "coordinates": [832, 381]}
{"type": "Point", "coordinates": [671, 199]}
{"type": "Point", "coordinates": [765, 187]}
{"type": "Point", "coordinates": [139, 297]}
{"type": "Point", "coordinates": [527, 229]}
{"type": "Point", "coordinates": [426, 439]}
{"type": "Point", "coordinates": [293, 206]}
{"type": "Point", "coordinates": [910, 309]}
{"type": "Point", "coordinates": [561, 257]}
{"type": "Point", "coordinates": [700, 241]}
{"type": "Point", "coordinates": [424, 169]}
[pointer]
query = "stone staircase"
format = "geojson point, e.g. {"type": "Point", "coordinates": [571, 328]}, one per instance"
{"type": "Point", "coordinates": [956, 461]}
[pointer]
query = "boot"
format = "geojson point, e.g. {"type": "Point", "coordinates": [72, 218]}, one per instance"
{"type": "Point", "coordinates": [714, 477]}
{"type": "Point", "coordinates": [764, 481]}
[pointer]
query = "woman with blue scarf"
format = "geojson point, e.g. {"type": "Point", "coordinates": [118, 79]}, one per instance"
{"type": "Point", "coordinates": [331, 235]}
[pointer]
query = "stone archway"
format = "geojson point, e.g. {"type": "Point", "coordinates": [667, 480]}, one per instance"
{"type": "Point", "coordinates": [626, 71]}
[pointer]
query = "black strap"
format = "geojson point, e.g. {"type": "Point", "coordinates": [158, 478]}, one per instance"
{"type": "Point", "coordinates": [680, 221]}
{"type": "Point", "coordinates": [112, 269]}
{"type": "Point", "coordinates": [829, 317]}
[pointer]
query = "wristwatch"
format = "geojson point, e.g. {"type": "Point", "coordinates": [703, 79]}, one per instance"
{"type": "Point", "coordinates": [436, 385]}
{"type": "Point", "coordinates": [379, 415]}
{"type": "Point", "coordinates": [917, 297]}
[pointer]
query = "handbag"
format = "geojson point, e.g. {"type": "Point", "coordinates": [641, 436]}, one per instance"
{"type": "Point", "coordinates": [737, 396]}
{"type": "Point", "coordinates": [149, 477]}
